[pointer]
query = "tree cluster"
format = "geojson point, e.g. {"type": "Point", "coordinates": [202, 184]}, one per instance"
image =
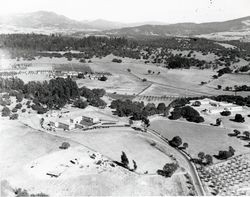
{"type": "Point", "coordinates": [225, 154]}
{"type": "Point", "coordinates": [136, 110]}
{"type": "Point", "coordinates": [168, 169]}
{"type": "Point", "coordinates": [93, 96]}
{"type": "Point", "coordinates": [187, 112]}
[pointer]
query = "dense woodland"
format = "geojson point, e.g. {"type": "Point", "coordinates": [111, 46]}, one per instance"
{"type": "Point", "coordinates": [52, 94]}
{"type": "Point", "coordinates": [29, 46]}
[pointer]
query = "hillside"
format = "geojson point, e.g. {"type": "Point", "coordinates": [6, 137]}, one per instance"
{"type": "Point", "coordinates": [50, 22]}
{"type": "Point", "coordinates": [185, 29]}
{"type": "Point", "coordinates": [40, 21]}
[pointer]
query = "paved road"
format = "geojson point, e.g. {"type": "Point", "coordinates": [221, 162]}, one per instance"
{"type": "Point", "coordinates": [193, 172]}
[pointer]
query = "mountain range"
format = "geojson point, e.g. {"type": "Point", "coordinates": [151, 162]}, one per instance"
{"type": "Point", "coordinates": [50, 22]}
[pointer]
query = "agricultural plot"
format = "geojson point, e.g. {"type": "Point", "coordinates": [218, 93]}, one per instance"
{"type": "Point", "coordinates": [155, 99]}
{"type": "Point", "coordinates": [230, 178]}
{"type": "Point", "coordinates": [200, 138]}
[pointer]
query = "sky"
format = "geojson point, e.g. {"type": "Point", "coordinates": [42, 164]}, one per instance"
{"type": "Point", "coordinates": [127, 11]}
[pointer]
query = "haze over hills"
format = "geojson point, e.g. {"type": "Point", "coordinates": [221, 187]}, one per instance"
{"type": "Point", "coordinates": [186, 29]}
{"type": "Point", "coordinates": [50, 22]}
{"type": "Point", "coordinates": [53, 21]}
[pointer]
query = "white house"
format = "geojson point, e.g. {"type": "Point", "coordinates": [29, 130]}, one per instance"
{"type": "Point", "coordinates": [205, 101]}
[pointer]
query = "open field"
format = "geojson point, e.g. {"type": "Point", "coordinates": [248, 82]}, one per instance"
{"type": "Point", "coordinates": [199, 137]}
{"type": "Point", "coordinates": [182, 82]}
{"type": "Point", "coordinates": [231, 80]}
{"type": "Point", "coordinates": [31, 154]}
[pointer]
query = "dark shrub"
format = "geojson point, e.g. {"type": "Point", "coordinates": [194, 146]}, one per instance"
{"type": "Point", "coordinates": [239, 118]}
{"type": "Point", "coordinates": [14, 110]}
{"type": "Point", "coordinates": [5, 111]}
{"type": "Point", "coordinates": [103, 78]}
{"type": "Point", "coordinates": [117, 60]}
{"type": "Point", "coordinates": [65, 145]}
{"type": "Point", "coordinates": [225, 113]}
{"type": "Point", "coordinates": [80, 104]}
{"type": "Point", "coordinates": [14, 117]}
{"type": "Point", "coordinates": [175, 142]}
{"type": "Point", "coordinates": [168, 170]}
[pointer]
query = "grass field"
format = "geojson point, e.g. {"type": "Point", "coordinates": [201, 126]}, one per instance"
{"type": "Point", "coordinates": [199, 137]}
{"type": "Point", "coordinates": [182, 82]}
{"type": "Point", "coordinates": [22, 147]}
{"type": "Point", "coordinates": [231, 80]}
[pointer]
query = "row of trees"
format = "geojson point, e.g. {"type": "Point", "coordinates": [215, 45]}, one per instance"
{"type": "Point", "coordinates": [238, 88]}
{"type": "Point", "coordinates": [238, 100]}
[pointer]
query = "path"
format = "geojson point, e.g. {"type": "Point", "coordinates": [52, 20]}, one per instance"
{"type": "Point", "coordinates": [193, 171]}
{"type": "Point", "coordinates": [174, 87]}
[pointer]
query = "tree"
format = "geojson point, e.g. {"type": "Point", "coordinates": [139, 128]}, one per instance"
{"type": "Point", "coordinates": [247, 134]}
{"type": "Point", "coordinates": [225, 113]}
{"type": "Point", "coordinates": [219, 87]}
{"type": "Point", "coordinates": [161, 107]}
{"type": "Point", "coordinates": [236, 132]}
{"type": "Point", "coordinates": [176, 141]}
{"type": "Point", "coordinates": [103, 78]}
{"type": "Point", "coordinates": [80, 104]}
{"type": "Point", "coordinates": [146, 122]}
{"type": "Point", "coordinates": [201, 155]}
{"type": "Point", "coordinates": [218, 122]}
{"type": "Point", "coordinates": [5, 111]}
{"type": "Point", "coordinates": [18, 106]}
{"type": "Point", "coordinates": [149, 72]}
{"type": "Point", "coordinates": [65, 145]}
{"type": "Point", "coordinates": [14, 117]}
{"type": "Point", "coordinates": [144, 80]}
{"type": "Point", "coordinates": [130, 122]}
{"type": "Point", "coordinates": [239, 118]}
{"type": "Point", "coordinates": [82, 60]}
{"type": "Point", "coordinates": [168, 170]}
{"type": "Point", "coordinates": [185, 145]}
{"type": "Point", "coordinates": [225, 154]}
{"type": "Point", "coordinates": [117, 60]}
{"type": "Point", "coordinates": [124, 159]}
{"type": "Point", "coordinates": [209, 159]}
{"type": "Point", "coordinates": [129, 70]}
{"type": "Point", "coordinates": [14, 110]}
{"type": "Point", "coordinates": [135, 165]}
{"type": "Point", "coordinates": [231, 150]}
{"type": "Point", "coordinates": [196, 104]}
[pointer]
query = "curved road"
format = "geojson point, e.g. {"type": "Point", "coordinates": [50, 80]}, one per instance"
{"type": "Point", "coordinates": [194, 174]}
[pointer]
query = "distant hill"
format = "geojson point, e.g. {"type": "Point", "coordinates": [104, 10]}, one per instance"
{"type": "Point", "coordinates": [107, 25]}
{"type": "Point", "coordinates": [43, 20]}
{"type": "Point", "coordinates": [184, 29]}
{"type": "Point", "coordinates": [50, 22]}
